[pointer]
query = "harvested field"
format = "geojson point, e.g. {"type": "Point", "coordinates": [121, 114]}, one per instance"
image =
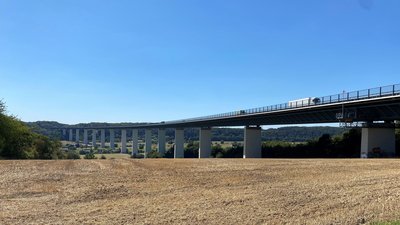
{"type": "Point", "coordinates": [191, 191]}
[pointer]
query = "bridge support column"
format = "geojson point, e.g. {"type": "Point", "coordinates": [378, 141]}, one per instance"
{"type": "Point", "coordinates": [112, 139]}
{"type": "Point", "coordinates": [135, 138]}
{"type": "Point", "coordinates": [94, 133]}
{"type": "Point", "coordinates": [252, 142]}
{"type": "Point", "coordinates": [161, 141]}
{"type": "Point", "coordinates": [179, 149]}
{"type": "Point", "coordinates": [85, 137]}
{"type": "Point", "coordinates": [70, 135]}
{"type": "Point", "coordinates": [123, 141]}
{"type": "Point", "coordinates": [205, 143]}
{"type": "Point", "coordinates": [103, 138]}
{"type": "Point", "coordinates": [147, 140]}
{"type": "Point", "coordinates": [77, 136]}
{"type": "Point", "coordinates": [64, 132]}
{"type": "Point", "coordinates": [382, 140]}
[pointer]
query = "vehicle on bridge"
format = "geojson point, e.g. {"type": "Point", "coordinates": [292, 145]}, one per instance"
{"type": "Point", "coordinates": [304, 102]}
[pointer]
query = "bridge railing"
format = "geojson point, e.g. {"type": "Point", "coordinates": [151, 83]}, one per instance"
{"type": "Point", "coordinates": [343, 97]}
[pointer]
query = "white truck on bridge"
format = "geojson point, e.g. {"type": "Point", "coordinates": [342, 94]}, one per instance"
{"type": "Point", "coordinates": [303, 102]}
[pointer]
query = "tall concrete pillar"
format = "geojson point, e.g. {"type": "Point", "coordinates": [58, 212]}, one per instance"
{"type": "Point", "coordinates": [123, 141]}
{"type": "Point", "coordinates": [380, 140]}
{"type": "Point", "coordinates": [77, 136]}
{"type": "Point", "coordinates": [252, 142]}
{"type": "Point", "coordinates": [135, 142]}
{"type": "Point", "coordinates": [147, 139]}
{"type": "Point", "coordinates": [85, 137]}
{"type": "Point", "coordinates": [205, 143]}
{"type": "Point", "coordinates": [112, 139]}
{"type": "Point", "coordinates": [64, 132]}
{"type": "Point", "coordinates": [103, 138]}
{"type": "Point", "coordinates": [161, 141]}
{"type": "Point", "coordinates": [94, 134]}
{"type": "Point", "coordinates": [70, 135]}
{"type": "Point", "coordinates": [179, 143]}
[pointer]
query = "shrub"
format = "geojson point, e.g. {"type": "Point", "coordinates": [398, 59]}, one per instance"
{"type": "Point", "coordinates": [90, 155]}
{"type": "Point", "coordinates": [73, 155]}
{"type": "Point", "coordinates": [192, 150]}
{"type": "Point", "coordinates": [103, 157]}
{"type": "Point", "coordinates": [83, 152]}
{"type": "Point", "coordinates": [169, 153]}
{"type": "Point", "coordinates": [153, 154]}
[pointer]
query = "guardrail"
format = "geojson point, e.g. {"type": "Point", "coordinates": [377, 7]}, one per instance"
{"type": "Point", "coordinates": [383, 91]}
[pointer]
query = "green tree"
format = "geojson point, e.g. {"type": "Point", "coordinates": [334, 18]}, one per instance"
{"type": "Point", "coordinates": [48, 149]}
{"type": "Point", "coordinates": [17, 141]}
{"type": "Point", "coordinates": [192, 149]}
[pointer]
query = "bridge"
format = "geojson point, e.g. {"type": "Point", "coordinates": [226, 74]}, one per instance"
{"type": "Point", "coordinates": [376, 109]}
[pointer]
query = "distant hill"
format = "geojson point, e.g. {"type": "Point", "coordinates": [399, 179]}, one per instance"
{"type": "Point", "coordinates": [291, 134]}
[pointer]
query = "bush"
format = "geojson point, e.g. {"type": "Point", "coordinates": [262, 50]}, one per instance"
{"type": "Point", "coordinates": [103, 157]}
{"type": "Point", "coordinates": [73, 155]}
{"type": "Point", "coordinates": [153, 154]}
{"type": "Point", "coordinates": [90, 155]}
{"type": "Point", "coordinates": [169, 153]}
{"type": "Point", "coordinates": [48, 149]}
{"type": "Point", "coordinates": [83, 152]}
{"type": "Point", "coordinates": [192, 150]}
{"type": "Point", "coordinates": [217, 150]}
{"type": "Point", "coordinates": [236, 151]}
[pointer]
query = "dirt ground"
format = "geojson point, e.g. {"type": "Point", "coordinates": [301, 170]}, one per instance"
{"type": "Point", "coordinates": [191, 191]}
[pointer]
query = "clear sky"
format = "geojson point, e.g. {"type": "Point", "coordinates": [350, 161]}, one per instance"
{"type": "Point", "coordinates": [153, 60]}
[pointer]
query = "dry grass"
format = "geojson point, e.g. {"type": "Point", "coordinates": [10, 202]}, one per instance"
{"type": "Point", "coordinates": [111, 156]}
{"type": "Point", "coordinates": [191, 191]}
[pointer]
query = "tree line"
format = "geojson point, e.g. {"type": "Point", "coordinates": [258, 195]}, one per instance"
{"type": "Point", "coordinates": [18, 141]}
{"type": "Point", "coordinates": [346, 145]}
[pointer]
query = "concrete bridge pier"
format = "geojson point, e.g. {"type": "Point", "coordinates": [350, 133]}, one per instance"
{"type": "Point", "coordinates": [147, 140]}
{"type": "Point", "coordinates": [378, 140]}
{"type": "Point", "coordinates": [179, 143]}
{"type": "Point", "coordinates": [94, 133]}
{"type": "Point", "coordinates": [252, 142]}
{"type": "Point", "coordinates": [112, 139]}
{"type": "Point", "coordinates": [103, 138]}
{"type": "Point", "coordinates": [64, 132]}
{"type": "Point", "coordinates": [123, 141]}
{"type": "Point", "coordinates": [70, 135]}
{"type": "Point", "coordinates": [135, 138]}
{"type": "Point", "coordinates": [77, 136]}
{"type": "Point", "coordinates": [205, 143]}
{"type": "Point", "coordinates": [85, 137]}
{"type": "Point", "coordinates": [161, 141]}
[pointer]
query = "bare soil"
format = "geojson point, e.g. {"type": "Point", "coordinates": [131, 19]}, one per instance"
{"type": "Point", "coordinates": [207, 191]}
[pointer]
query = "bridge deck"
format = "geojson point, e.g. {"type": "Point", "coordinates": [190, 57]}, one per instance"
{"type": "Point", "coordinates": [376, 104]}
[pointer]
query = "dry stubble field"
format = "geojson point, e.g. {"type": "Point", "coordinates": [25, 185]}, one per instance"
{"type": "Point", "coordinates": [191, 191]}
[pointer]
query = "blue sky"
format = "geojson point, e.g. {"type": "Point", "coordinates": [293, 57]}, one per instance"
{"type": "Point", "coordinates": [136, 61]}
